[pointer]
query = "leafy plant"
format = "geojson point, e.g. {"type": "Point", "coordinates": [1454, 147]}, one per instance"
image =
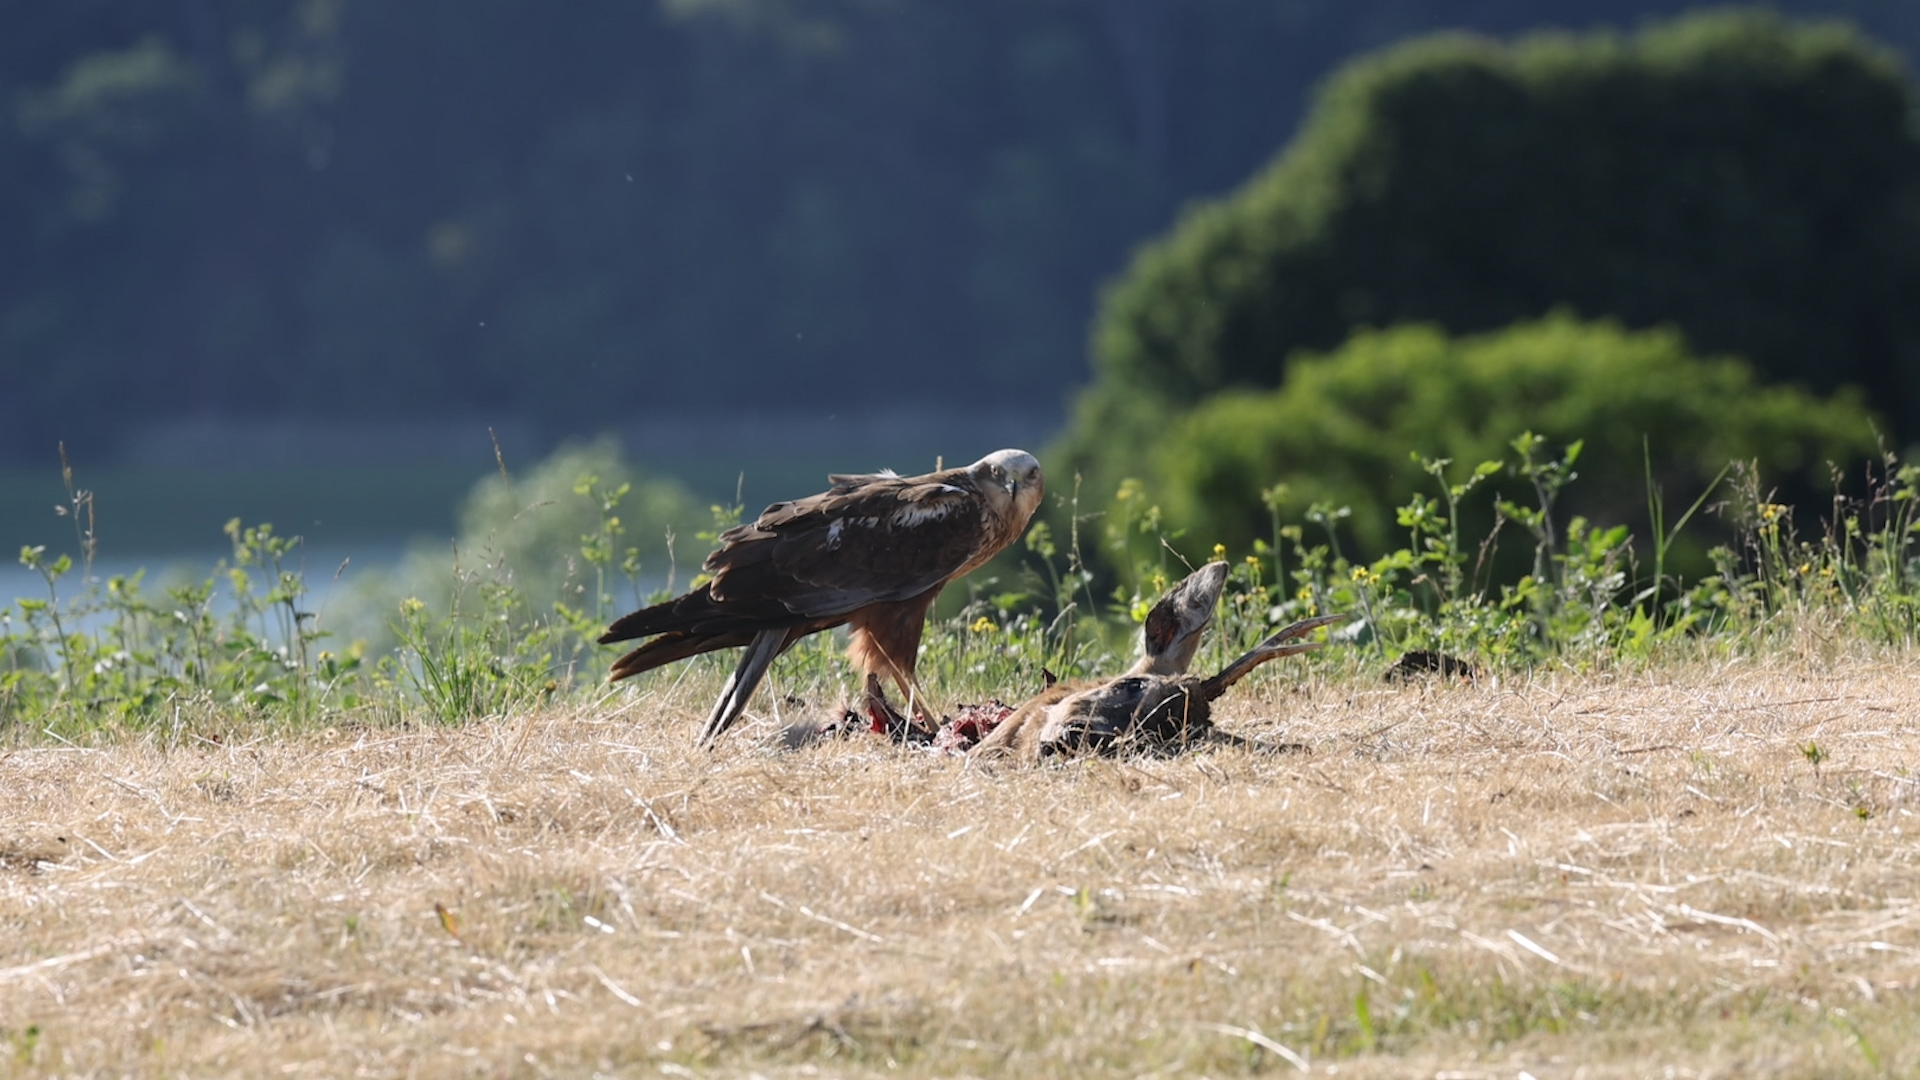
{"type": "Point", "coordinates": [112, 654]}
{"type": "Point", "coordinates": [100, 656]}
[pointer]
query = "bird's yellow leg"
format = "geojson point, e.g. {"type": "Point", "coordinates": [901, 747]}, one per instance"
{"type": "Point", "coordinates": [921, 711]}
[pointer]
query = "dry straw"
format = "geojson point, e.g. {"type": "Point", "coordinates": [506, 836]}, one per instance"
{"type": "Point", "coordinates": [1706, 869]}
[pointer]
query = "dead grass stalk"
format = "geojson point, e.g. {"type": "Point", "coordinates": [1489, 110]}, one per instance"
{"type": "Point", "coordinates": [1573, 875]}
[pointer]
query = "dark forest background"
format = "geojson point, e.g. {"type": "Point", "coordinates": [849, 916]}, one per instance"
{"type": "Point", "coordinates": [570, 218]}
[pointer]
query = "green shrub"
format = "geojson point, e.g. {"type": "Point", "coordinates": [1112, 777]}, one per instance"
{"type": "Point", "coordinates": [583, 529]}
{"type": "Point", "coordinates": [1346, 429]}
{"type": "Point", "coordinates": [1754, 182]}
{"type": "Point", "coordinates": [582, 520]}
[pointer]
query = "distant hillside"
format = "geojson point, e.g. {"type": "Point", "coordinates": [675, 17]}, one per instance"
{"type": "Point", "coordinates": [561, 217]}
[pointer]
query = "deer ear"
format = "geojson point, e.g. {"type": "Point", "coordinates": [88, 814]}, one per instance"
{"type": "Point", "coordinates": [1163, 626]}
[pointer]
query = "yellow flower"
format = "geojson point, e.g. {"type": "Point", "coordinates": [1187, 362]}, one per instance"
{"type": "Point", "coordinates": [1219, 551]}
{"type": "Point", "coordinates": [983, 625]}
{"type": "Point", "coordinates": [412, 605]}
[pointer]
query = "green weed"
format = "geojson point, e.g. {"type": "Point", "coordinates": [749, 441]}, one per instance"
{"type": "Point", "coordinates": [111, 654]}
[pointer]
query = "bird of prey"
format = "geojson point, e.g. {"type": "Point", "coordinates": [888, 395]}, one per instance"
{"type": "Point", "coordinates": [870, 553]}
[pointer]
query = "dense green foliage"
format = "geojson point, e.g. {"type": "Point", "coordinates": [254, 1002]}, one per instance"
{"type": "Point", "coordinates": [575, 214]}
{"type": "Point", "coordinates": [543, 561]}
{"type": "Point", "coordinates": [1347, 429]}
{"type": "Point", "coordinates": [1752, 181]}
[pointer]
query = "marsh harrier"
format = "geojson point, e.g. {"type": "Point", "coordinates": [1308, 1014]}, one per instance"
{"type": "Point", "coordinates": [870, 553]}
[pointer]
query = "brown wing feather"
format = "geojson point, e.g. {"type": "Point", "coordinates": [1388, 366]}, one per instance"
{"type": "Point", "coordinates": [873, 550]}
{"type": "Point", "coordinates": [881, 540]}
{"type": "Point", "coordinates": [676, 645]}
{"type": "Point", "coordinates": [698, 612]}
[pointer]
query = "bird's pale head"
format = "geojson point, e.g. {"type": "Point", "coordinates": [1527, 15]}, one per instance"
{"type": "Point", "coordinates": [1015, 473]}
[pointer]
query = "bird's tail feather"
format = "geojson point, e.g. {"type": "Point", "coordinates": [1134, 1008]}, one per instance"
{"type": "Point", "coordinates": [699, 613]}
{"type": "Point", "coordinates": [682, 613]}
{"type": "Point", "coordinates": [636, 624]}
{"type": "Point", "coordinates": [670, 647]}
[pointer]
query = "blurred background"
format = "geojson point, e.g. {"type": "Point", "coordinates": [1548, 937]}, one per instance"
{"type": "Point", "coordinates": [316, 262]}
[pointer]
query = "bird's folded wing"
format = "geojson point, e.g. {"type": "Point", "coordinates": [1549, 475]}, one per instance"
{"type": "Point", "coordinates": [838, 552]}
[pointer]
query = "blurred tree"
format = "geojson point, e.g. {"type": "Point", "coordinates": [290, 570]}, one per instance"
{"type": "Point", "coordinates": [573, 215]}
{"type": "Point", "coordinates": [582, 526]}
{"type": "Point", "coordinates": [1752, 181]}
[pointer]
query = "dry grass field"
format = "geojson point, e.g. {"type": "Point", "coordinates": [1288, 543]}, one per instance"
{"type": "Point", "coordinates": [1700, 869]}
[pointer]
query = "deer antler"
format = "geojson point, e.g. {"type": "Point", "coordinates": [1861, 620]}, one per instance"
{"type": "Point", "coordinates": [1274, 647]}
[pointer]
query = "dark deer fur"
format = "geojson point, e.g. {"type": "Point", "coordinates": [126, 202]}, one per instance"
{"type": "Point", "coordinates": [1156, 705]}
